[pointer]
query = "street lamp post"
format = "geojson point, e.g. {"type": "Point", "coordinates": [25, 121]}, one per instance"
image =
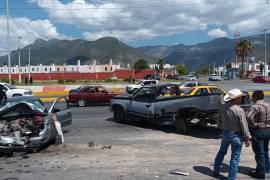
{"type": "Point", "coordinates": [29, 61]}
{"type": "Point", "coordinates": [264, 31]}
{"type": "Point", "coordinates": [19, 60]}
{"type": "Point", "coordinates": [8, 46]}
{"type": "Point", "coordinates": [236, 36]}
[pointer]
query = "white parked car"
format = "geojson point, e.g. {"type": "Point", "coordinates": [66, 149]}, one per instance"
{"type": "Point", "coordinates": [191, 78]}
{"type": "Point", "coordinates": [12, 91]}
{"type": "Point", "coordinates": [214, 77]}
{"type": "Point", "coordinates": [134, 87]}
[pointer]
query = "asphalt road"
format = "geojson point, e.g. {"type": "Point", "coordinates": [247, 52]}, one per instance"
{"type": "Point", "coordinates": [136, 151]}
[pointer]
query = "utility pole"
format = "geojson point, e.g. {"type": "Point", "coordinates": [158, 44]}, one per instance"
{"type": "Point", "coordinates": [19, 60]}
{"type": "Point", "coordinates": [8, 46]}
{"type": "Point", "coordinates": [236, 35]}
{"type": "Point", "coordinates": [264, 31]}
{"type": "Point", "coordinates": [29, 60]}
{"type": "Point", "coordinates": [214, 67]}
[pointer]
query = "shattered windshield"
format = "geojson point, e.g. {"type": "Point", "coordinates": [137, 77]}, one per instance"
{"type": "Point", "coordinates": [21, 109]}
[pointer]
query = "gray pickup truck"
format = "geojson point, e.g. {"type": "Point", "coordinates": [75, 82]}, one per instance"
{"type": "Point", "coordinates": [153, 104]}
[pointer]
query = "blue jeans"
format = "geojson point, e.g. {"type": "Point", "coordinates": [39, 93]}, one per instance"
{"type": "Point", "coordinates": [260, 143]}
{"type": "Point", "coordinates": [236, 141]}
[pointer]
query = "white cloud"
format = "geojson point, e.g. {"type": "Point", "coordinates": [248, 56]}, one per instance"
{"type": "Point", "coordinates": [29, 31]}
{"type": "Point", "coordinates": [136, 20]}
{"type": "Point", "coordinates": [217, 33]}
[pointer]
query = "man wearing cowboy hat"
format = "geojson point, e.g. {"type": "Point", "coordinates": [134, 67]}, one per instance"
{"type": "Point", "coordinates": [259, 124]}
{"type": "Point", "coordinates": [235, 132]}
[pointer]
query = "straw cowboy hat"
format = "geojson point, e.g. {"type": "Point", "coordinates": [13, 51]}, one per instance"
{"type": "Point", "coordinates": [233, 94]}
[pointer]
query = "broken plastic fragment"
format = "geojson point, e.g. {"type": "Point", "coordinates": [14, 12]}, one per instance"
{"type": "Point", "coordinates": [179, 172]}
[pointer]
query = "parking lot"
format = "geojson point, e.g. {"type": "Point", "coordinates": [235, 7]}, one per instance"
{"type": "Point", "coordinates": [96, 147]}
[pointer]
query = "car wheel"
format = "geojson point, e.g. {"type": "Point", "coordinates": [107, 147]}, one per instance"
{"type": "Point", "coordinates": [119, 115]}
{"type": "Point", "coordinates": [81, 103]}
{"type": "Point", "coordinates": [182, 125]}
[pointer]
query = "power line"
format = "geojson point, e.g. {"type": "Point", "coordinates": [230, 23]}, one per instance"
{"type": "Point", "coordinates": [123, 7]}
{"type": "Point", "coordinates": [96, 8]}
{"type": "Point", "coordinates": [100, 3]}
{"type": "Point", "coordinates": [148, 15]}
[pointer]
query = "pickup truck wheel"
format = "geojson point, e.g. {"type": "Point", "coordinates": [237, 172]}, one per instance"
{"type": "Point", "coordinates": [182, 125]}
{"type": "Point", "coordinates": [81, 103]}
{"type": "Point", "coordinates": [119, 115]}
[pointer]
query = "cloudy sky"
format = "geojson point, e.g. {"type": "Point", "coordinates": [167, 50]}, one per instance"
{"type": "Point", "coordinates": [137, 23]}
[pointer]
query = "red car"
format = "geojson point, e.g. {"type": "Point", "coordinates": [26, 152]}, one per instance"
{"type": "Point", "coordinates": [261, 79]}
{"type": "Point", "coordinates": [90, 95]}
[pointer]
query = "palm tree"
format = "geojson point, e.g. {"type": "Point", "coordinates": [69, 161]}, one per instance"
{"type": "Point", "coordinates": [242, 49]}
{"type": "Point", "coordinates": [161, 64]}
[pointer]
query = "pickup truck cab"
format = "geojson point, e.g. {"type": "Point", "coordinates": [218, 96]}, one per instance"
{"type": "Point", "coordinates": [12, 91]}
{"type": "Point", "coordinates": [164, 105]}
{"type": "Point", "coordinates": [132, 88]}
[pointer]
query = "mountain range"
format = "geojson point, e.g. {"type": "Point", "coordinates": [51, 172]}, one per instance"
{"type": "Point", "coordinates": [69, 51]}
{"type": "Point", "coordinates": [217, 51]}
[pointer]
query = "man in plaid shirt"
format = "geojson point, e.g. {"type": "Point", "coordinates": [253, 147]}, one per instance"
{"type": "Point", "coordinates": [259, 123]}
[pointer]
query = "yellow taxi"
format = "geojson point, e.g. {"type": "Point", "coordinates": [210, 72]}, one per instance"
{"type": "Point", "coordinates": [202, 90]}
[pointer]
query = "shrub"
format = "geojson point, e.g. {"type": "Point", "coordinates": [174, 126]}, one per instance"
{"type": "Point", "coordinates": [110, 80]}
{"type": "Point", "coordinates": [126, 79]}
{"type": "Point", "coordinates": [7, 81]}
{"type": "Point", "coordinates": [70, 80]}
{"type": "Point", "coordinates": [61, 81]}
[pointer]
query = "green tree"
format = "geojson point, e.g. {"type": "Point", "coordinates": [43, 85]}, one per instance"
{"type": "Point", "coordinates": [242, 49]}
{"type": "Point", "coordinates": [140, 65]}
{"type": "Point", "coordinates": [204, 70]}
{"type": "Point", "coordinates": [181, 69]}
{"type": "Point", "coordinates": [161, 64]}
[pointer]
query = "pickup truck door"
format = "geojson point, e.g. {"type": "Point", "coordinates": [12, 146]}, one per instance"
{"type": "Point", "coordinates": [140, 105]}
{"type": "Point", "coordinates": [204, 98]}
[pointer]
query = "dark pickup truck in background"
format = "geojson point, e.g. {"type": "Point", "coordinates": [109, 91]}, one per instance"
{"type": "Point", "coordinates": [164, 105]}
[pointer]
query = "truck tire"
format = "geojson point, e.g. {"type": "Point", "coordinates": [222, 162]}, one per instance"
{"type": "Point", "coordinates": [81, 103]}
{"type": "Point", "coordinates": [119, 115]}
{"type": "Point", "coordinates": [182, 125]}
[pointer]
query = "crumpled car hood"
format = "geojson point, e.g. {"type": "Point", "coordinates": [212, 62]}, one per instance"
{"type": "Point", "coordinates": [25, 107]}
{"type": "Point", "coordinates": [20, 121]}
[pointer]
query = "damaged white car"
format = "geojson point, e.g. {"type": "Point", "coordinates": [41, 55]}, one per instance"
{"type": "Point", "coordinates": [26, 124]}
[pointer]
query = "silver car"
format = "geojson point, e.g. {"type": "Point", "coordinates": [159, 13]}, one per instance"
{"type": "Point", "coordinates": [26, 124]}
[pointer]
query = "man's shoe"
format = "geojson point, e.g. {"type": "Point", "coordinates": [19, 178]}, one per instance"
{"type": "Point", "coordinates": [253, 174]}
{"type": "Point", "coordinates": [216, 175]}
